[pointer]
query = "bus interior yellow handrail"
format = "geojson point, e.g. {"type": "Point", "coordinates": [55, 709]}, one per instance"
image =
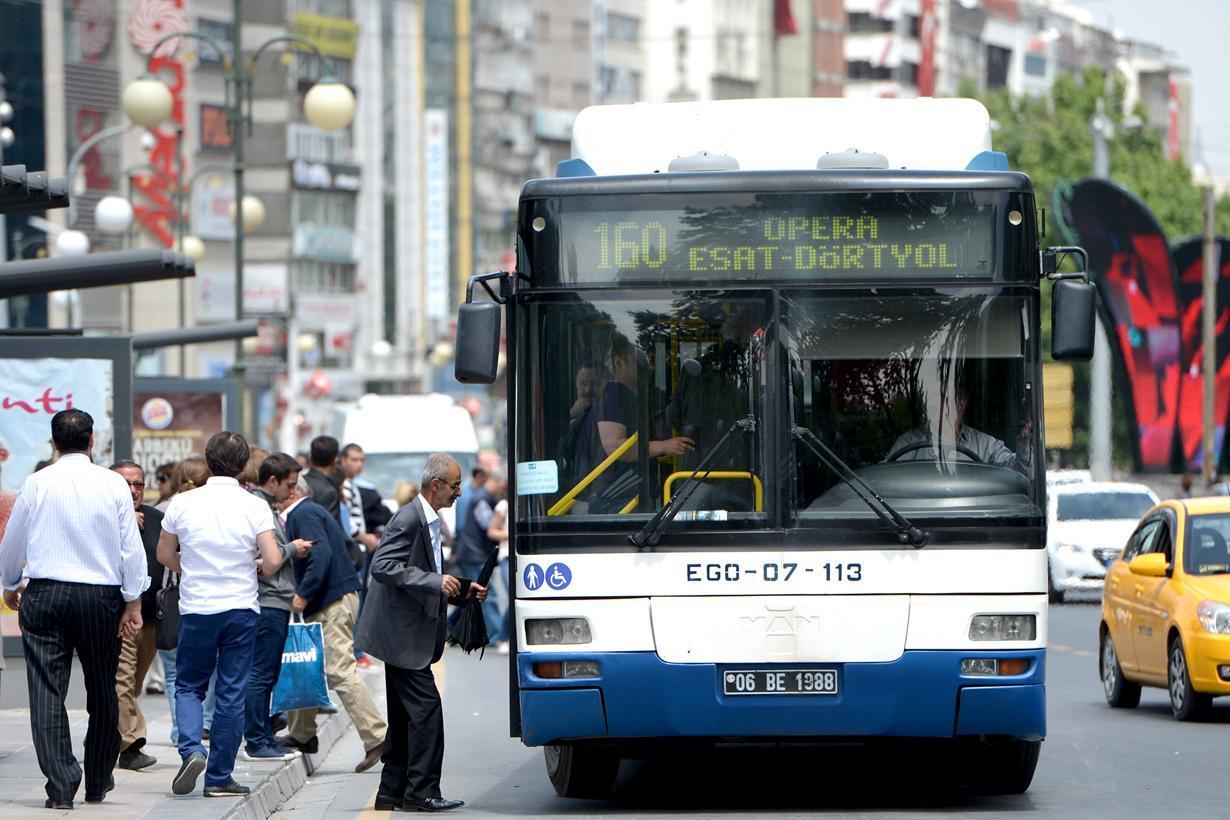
{"type": "Point", "coordinates": [722, 475]}
{"type": "Point", "coordinates": [566, 502]}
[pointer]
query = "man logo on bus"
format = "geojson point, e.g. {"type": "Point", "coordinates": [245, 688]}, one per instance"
{"type": "Point", "coordinates": [533, 577]}
{"type": "Point", "coordinates": [558, 576]}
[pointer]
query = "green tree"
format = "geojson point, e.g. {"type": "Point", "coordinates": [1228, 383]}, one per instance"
{"type": "Point", "coordinates": [1049, 138]}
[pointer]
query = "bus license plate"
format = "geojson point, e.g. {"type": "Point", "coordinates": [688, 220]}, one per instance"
{"type": "Point", "coordinates": [779, 682]}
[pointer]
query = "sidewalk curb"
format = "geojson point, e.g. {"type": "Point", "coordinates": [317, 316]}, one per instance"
{"type": "Point", "coordinates": [282, 783]}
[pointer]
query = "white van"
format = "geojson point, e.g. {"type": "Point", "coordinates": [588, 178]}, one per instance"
{"type": "Point", "coordinates": [398, 433]}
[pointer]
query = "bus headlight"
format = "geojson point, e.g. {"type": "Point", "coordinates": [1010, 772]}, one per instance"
{"type": "Point", "coordinates": [1003, 628]}
{"type": "Point", "coordinates": [1214, 617]}
{"type": "Point", "coordinates": [546, 631]}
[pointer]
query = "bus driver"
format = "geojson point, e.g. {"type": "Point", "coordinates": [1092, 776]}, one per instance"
{"type": "Point", "coordinates": [960, 441]}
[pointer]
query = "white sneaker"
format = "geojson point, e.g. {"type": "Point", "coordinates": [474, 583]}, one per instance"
{"type": "Point", "coordinates": [502, 648]}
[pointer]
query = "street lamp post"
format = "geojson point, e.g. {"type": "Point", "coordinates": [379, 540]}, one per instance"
{"type": "Point", "coordinates": [329, 105]}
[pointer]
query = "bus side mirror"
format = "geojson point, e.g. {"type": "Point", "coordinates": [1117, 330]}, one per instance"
{"type": "Point", "coordinates": [1073, 320]}
{"type": "Point", "coordinates": [478, 342]}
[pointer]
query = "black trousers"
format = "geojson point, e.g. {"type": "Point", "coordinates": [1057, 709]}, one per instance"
{"type": "Point", "coordinates": [414, 752]}
{"type": "Point", "coordinates": [58, 618]}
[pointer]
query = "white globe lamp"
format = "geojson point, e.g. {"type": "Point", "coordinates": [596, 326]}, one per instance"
{"type": "Point", "coordinates": [192, 247]}
{"type": "Point", "coordinates": [253, 214]}
{"type": "Point", "coordinates": [72, 243]}
{"type": "Point", "coordinates": [113, 214]}
{"type": "Point", "coordinates": [329, 105]}
{"type": "Point", "coordinates": [147, 101]}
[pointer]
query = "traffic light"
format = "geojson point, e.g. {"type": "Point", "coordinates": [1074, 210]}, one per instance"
{"type": "Point", "coordinates": [94, 270]}
{"type": "Point", "coordinates": [22, 190]}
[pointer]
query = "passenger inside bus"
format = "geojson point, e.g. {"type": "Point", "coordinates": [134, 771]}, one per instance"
{"type": "Point", "coordinates": [614, 414]}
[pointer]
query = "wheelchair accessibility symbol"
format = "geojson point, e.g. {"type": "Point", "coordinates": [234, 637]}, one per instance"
{"type": "Point", "coordinates": [558, 576]}
{"type": "Point", "coordinates": [533, 577]}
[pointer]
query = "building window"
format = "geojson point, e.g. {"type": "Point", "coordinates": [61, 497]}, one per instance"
{"type": "Point", "coordinates": [322, 277]}
{"type": "Point", "coordinates": [305, 141]}
{"type": "Point", "coordinates": [542, 85]}
{"type": "Point", "coordinates": [580, 94]}
{"type": "Point", "coordinates": [864, 70]}
{"type": "Point", "coordinates": [308, 69]}
{"type": "Point", "coordinates": [542, 25]}
{"type": "Point", "coordinates": [623, 28]}
{"type": "Point", "coordinates": [322, 208]}
{"type": "Point", "coordinates": [862, 22]}
{"type": "Point", "coordinates": [580, 32]}
{"type": "Point", "coordinates": [998, 61]}
{"type": "Point", "coordinates": [1035, 65]}
{"type": "Point", "coordinates": [326, 8]}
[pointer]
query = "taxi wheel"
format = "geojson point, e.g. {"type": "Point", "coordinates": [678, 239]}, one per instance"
{"type": "Point", "coordinates": [581, 771]}
{"type": "Point", "coordinates": [1185, 702]}
{"type": "Point", "coordinates": [1120, 692]}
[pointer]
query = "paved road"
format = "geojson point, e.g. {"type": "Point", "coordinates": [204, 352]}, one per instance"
{"type": "Point", "coordinates": [1096, 762]}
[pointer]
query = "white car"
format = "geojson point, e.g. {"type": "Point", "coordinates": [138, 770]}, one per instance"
{"type": "Point", "coordinates": [1088, 524]}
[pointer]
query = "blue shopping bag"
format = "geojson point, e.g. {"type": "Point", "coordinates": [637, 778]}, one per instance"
{"type": "Point", "coordinates": [301, 683]}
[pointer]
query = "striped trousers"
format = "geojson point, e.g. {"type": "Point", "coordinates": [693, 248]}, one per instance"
{"type": "Point", "coordinates": [58, 618]}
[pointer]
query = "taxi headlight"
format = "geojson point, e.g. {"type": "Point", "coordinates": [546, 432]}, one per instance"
{"type": "Point", "coordinates": [544, 631]}
{"type": "Point", "coordinates": [1214, 617]}
{"type": "Point", "coordinates": [1003, 627]}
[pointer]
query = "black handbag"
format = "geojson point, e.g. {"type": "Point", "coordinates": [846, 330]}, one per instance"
{"type": "Point", "coordinates": [166, 634]}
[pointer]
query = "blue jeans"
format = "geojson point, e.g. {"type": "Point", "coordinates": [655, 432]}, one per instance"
{"type": "Point", "coordinates": [207, 642]}
{"type": "Point", "coordinates": [495, 608]}
{"type": "Point", "coordinates": [168, 672]}
{"type": "Point", "coordinates": [266, 666]}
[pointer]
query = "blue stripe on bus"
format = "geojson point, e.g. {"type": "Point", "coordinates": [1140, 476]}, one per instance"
{"type": "Point", "coordinates": [921, 694]}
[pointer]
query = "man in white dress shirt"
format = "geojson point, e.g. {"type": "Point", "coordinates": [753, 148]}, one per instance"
{"type": "Point", "coordinates": [214, 536]}
{"type": "Point", "coordinates": [74, 531]}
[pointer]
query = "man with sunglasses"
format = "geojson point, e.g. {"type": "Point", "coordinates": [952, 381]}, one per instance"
{"type": "Point", "coordinates": [403, 624]}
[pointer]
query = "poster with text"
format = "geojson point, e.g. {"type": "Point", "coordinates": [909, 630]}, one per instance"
{"type": "Point", "coordinates": [34, 390]}
{"type": "Point", "coordinates": [168, 427]}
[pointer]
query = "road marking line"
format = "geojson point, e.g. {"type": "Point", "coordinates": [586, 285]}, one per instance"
{"type": "Point", "coordinates": [1060, 647]}
{"type": "Point", "coordinates": [1084, 653]}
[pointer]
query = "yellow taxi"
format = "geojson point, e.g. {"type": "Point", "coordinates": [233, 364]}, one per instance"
{"type": "Point", "coordinates": [1166, 608]}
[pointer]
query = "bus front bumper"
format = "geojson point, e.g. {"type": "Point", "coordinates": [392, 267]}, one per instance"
{"type": "Point", "coordinates": [922, 694]}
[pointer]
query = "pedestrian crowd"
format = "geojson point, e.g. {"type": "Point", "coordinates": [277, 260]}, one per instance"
{"type": "Point", "coordinates": [206, 583]}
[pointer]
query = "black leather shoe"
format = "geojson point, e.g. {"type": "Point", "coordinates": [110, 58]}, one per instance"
{"type": "Point", "coordinates": [135, 760]}
{"type": "Point", "coordinates": [277, 722]}
{"type": "Point", "coordinates": [430, 804]}
{"type": "Point", "coordinates": [309, 747]}
{"type": "Point", "coordinates": [387, 804]}
{"type": "Point", "coordinates": [57, 804]}
{"type": "Point", "coordinates": [98, 798]}
{"type": "Point", "coordinates": [231, 788]}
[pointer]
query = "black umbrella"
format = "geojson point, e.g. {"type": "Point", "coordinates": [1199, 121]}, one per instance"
{"type": "Point", "coordinates": [470, 631]}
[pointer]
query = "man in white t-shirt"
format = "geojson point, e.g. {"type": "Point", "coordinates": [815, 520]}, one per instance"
{"type": "Point", "coordinates": [216, 536]}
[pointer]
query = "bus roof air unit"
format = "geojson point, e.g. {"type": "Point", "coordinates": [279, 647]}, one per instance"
{"type": "Point", "coordinates": [703, 161]}
{"type": "Point", "coordinates": [780, 135]}
{"type": "Point", "coordinates": [851, 158]}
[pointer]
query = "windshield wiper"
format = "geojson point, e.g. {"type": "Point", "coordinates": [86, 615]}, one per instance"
{"type": "Point", "coordinates": [651, 533]}
{"type": "Point", "coordinates": [906, 532]}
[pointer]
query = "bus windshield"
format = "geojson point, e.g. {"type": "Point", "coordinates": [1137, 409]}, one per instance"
{"type": "Point", "coordinates": [927, 396]}
{"type": "Point", "coordinates": [621, 395]}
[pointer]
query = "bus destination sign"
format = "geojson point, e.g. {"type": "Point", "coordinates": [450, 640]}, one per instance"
{"type": "Point", "coordinates": [948, 240]}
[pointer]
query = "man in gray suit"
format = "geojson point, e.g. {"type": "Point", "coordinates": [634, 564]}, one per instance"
{"type": "Point", "coordinates": [403, 624]}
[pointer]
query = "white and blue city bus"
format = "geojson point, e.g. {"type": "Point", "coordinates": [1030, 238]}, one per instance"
{"type": "Point", "coordinates": [775, 425]}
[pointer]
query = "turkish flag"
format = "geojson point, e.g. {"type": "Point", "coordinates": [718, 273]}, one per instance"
{"type": "Point", "coordinates": [783, 19]}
